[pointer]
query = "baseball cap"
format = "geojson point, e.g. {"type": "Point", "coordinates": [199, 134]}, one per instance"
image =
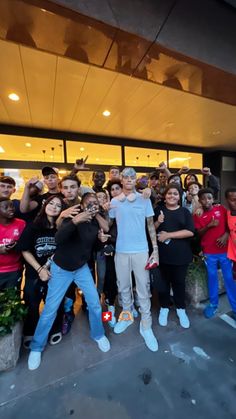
{"type": "Point", "coordinates": [153, 174]}
{"type": "Point", "coordinates": [48, 170]}
{"type": "Point", "coordinates": [142, 182]}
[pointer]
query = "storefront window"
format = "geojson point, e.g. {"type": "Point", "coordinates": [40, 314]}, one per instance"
{"type": "Point", "coordinates": [104, 154]}
{"type": "Point", "coordinates": [147, 157]}
{"type": "Point", "coordinates": [13, 147]}
{"type": "Point", "coordinates": [178, 159]}
{"type": "Point", "coordinates": [20, 176]}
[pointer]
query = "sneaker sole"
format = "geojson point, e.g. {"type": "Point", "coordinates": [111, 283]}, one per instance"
{"type": "Point", "coordinates": [162, 324]}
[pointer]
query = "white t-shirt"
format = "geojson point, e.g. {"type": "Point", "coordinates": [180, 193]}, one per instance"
{"type": "Point", "coordinates": [130, 218]}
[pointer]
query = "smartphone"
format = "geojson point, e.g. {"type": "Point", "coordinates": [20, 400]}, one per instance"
{"type": "Point", "coordinates": [150, 265]}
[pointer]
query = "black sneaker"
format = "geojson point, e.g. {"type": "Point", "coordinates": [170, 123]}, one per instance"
{"type": "Point", "coordinates": [68, 319]}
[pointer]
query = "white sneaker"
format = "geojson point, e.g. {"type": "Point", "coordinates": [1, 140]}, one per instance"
{"type": "Point", "coordinates": [149, 338]}
{"type": "Point", "coordinates": [112, 322]}
{"type": "Point", "coordinates": [103, 344]}
{"type": "Point", "coordinates": [34, 360]}
{"type": "Point", "coordinates": [163, 316]}
{"type": "Point", "coordinates": [183, 318]}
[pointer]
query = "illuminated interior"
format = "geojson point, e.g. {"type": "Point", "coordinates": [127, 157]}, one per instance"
{"type": "Point", "coordinates": [97, 153]}
{"type": "Point", "coordinates": [14, 147]}
{"type": "Point", "coordinates": [147, 157]}
{"type": "Point", "coordinates": [178, 159]}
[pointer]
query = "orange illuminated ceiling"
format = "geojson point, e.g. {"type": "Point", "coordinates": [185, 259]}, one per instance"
{"type": "Point", "coordinates": [60, 93]}
{"type": "Point", "coordinates": [67, 69]}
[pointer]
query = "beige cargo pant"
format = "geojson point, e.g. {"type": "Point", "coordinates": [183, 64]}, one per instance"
{"type": "Point", "coordinates": [125, 263]}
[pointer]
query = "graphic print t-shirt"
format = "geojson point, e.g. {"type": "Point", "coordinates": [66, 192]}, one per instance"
{"type": "Point", "coordinates": [40, 242]}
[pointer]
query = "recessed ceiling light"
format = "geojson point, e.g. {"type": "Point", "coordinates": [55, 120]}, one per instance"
{"type": "Point", "coordinates": [106, 113]}
{"type": "Point", "coordinates": [14, 96]}
{"type": "Point", "coordinates": [216, 132]}
{"type": "Point", "coordinates": [2, 149]}
{"type": "Point", "coordinates": [81, 148]}
{"type": "Point", "coordinates": [28, 144]}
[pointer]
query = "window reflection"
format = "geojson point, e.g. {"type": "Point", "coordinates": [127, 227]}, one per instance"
{"type": "Point", "coordinates": [21, 176]}
{"type": "Point", "coordinates": [104, 154]}
{"type": "Point", "coordinates": [147, 157]}
{"type": "Point", "coordinates": [14, 147]}
{"type": "Point", "coordinates": [178, 159]}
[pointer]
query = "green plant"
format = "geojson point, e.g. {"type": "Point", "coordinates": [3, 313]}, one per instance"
{"type": "Point", "coordinates": [197, 271]}
{"type": "Point", "coordinates": [12, 310]}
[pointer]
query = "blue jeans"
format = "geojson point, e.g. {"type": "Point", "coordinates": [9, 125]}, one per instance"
{"type": "Point", "coordinates": [225, 264]}
{"type": "Point", "coordinates": [57, 286]}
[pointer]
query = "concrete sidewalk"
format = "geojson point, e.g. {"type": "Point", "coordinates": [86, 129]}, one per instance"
{"type": "Point", "coordinates": [193, 375]}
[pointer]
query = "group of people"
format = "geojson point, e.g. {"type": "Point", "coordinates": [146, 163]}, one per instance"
{"type": "Point", "coordinates": [106, 240]}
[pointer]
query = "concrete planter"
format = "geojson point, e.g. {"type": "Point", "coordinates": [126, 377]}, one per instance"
{"type": "Point", "coordinates": [10, 347]}
{"type": "Point", "coordinates": [196, 283]}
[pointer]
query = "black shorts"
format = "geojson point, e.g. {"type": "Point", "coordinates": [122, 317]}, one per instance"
{"type": "Point", "coordinates": [10, 279]}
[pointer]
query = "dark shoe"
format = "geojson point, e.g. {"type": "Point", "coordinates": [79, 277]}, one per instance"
{"type": "Point", "coordinates": [27, 341]}
{"type": "Point", "coordinates": [68, 319]}
{"type": "Point", "coordinates": [210, 311]}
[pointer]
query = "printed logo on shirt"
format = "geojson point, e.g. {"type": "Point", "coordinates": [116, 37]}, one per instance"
{"type": "Point", "coordinates": [45, 246]}
{"type": "Point", "coordinates": [5, 241]}
{"type": "Point", "coordinates": [16, 232]}
{"type": "Point", "coordinates": [217, 213]}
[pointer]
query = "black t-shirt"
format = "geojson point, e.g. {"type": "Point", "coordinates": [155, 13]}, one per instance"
{"type": "Point", "coordinates": [177, 251]}
{"type": "Point", "coordinates": [38, 241]}
{"type": "Point", "coordinates": [28, 217]}
{"type": "Point", "coordinates": [75, 243]}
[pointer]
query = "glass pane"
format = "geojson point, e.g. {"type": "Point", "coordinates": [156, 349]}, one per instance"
{"type": "Point", "coordinates": [86, 177]}
{"type": "Point", "coordinates": [178, 159]}
{"type": "Point", "coordinates": [13, 147]}
{"type": "Point", "coordinates": [199, 177]}
{"type": "Point", "coordinates": [104, 154]}
{"type": "Point", "coordinates": [148, 157]}
{"type": "Point", "coordinates": [21, 176]}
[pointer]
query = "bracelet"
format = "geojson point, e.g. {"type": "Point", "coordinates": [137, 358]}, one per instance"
{"type": "Point", "coordinates": [39, 269]}
{"type": "Point", "coordinates": [155, 246]}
